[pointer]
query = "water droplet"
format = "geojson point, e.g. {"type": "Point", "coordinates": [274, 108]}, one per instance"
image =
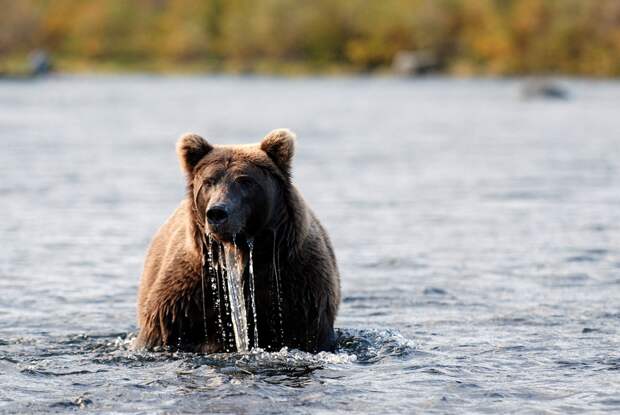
{"type": "Point", "coordinates": [252, 292]}
{"type": "Point", "coordinates": [276, 270]}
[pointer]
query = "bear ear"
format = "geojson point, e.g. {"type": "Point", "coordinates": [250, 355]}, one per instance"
{"type": "Point", "coordinates": [280, 147]}
{"type": "Point", "coordinates": [191, 148]}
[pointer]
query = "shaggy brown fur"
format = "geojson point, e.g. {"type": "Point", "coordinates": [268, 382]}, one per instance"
{"type": "Point", "coordinates": [239, 194]}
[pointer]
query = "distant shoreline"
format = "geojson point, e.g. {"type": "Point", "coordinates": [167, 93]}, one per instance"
{"type": "Point", "coordinates": [301, 76]}
{"type": "Point", "coordinates": [17, 68]}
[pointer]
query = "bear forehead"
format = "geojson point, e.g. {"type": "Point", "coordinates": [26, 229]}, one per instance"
{"type": "Point", "coordinates": [238, 158]}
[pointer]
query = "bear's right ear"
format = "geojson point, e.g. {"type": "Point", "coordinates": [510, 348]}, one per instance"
{"type": "Point", "coordinates": [191, 148]}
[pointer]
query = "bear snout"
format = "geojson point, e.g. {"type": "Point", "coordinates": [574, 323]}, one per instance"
{"type": "Point", "coordinates": [217, 215]}
{"type": "Point", "coordinates": [225, 221]}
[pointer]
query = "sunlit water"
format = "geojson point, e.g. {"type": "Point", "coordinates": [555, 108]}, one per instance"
{"type": "Point", "coordinates": [477, 236]}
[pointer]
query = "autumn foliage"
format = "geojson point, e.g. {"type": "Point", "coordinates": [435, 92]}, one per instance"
{"type": "Point", "coordinates": [579, 37]}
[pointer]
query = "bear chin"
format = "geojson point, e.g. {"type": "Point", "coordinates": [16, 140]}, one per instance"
{"type": "Point", "coordinates": [237, 238]}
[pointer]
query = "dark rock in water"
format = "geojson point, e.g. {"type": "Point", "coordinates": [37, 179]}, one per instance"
{"type": "Point", "coordinates": [543, 88]}
{"type": "Point", "coordinates": [434, 291]}
{"type": "Point", "coordinates": [410, 63]}
{"type": "Point", "coordinates": [40, 63]}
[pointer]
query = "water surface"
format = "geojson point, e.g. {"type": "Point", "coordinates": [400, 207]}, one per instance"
{"type": "Point", "coordinates": [477, 236]}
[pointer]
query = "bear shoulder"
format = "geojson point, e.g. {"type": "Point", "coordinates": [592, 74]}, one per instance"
{"type": "Point", "coordinates": [170, 261]}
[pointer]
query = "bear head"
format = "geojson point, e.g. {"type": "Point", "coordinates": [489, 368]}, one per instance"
{"type": "Point", "coordinates": [236, 191]}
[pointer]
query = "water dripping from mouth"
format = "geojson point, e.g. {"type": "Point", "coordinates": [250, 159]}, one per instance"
{"type": "Point", "coordinates": [252, 292]}
{"type": "Point", "coordinates": [234, 278]}
{"type": "Point", "coordinates": [276, 271]}
{"type": "Point", "coordinates": [226, 264]}
{"type": "Point", "coordinates": [222, 272]}
{"type": "Point", "coordinates": [215, 285]}
{"type": "Point", "coordinates": [202, 286]}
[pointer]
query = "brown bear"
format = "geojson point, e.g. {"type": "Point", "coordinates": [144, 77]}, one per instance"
{"type": "Point", "coordinates": [241, 197]}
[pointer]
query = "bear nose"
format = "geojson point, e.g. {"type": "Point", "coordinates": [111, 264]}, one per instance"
{"type": "Point", "coordinates": [217, 215]}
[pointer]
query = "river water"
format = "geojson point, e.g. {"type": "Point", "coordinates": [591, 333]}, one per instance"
{"type": "Point", "coordinates": [477, 236]}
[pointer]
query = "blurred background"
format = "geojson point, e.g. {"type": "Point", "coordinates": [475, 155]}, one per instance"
{"type": "Point", "coordinates": [463, 37]}
{"type": "Point", "coordinates": [464, 156]}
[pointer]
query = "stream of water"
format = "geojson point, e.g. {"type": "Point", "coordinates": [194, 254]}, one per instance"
{"type": "Point", "coordinates": [235, 266]}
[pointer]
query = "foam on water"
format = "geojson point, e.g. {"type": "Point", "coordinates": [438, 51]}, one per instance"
{"type": "Point", "coordinates": [353, 345]}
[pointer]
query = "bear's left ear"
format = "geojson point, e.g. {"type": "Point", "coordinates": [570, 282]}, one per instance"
{"type": "Point", "coordinates": [280, 147]}
{"type": "Point", "coordinates": [191, 148]}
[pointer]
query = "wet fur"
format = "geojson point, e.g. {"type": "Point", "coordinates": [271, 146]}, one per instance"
{"type": "Point", "coordinates": [292, 242]}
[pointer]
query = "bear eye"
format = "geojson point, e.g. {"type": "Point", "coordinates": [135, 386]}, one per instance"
{"type": "Point", "coordinates": [208, 182]}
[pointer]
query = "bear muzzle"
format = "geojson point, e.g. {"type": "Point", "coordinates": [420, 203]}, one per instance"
{"type": "Point", "coordinates": [224, 223]}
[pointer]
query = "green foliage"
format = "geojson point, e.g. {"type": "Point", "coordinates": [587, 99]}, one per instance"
{"type": "Point", "coordinates": [468, 36]}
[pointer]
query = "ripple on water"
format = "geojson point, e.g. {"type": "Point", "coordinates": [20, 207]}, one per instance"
{"type": "Point", "coordinates": [370, 346]}
{"type": "Point", "coordinates": [99, 359]}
